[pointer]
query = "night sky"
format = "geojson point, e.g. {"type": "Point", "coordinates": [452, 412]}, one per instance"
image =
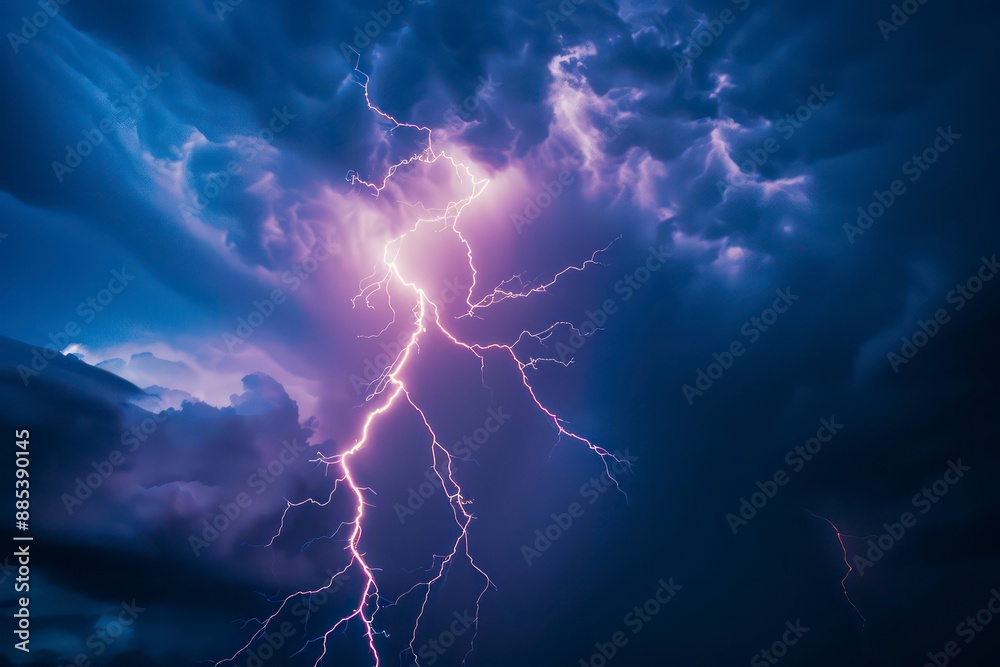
{"type": "Point", "coordinates": [686, 309]}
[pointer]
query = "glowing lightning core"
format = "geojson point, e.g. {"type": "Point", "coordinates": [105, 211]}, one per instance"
{"type": "Point", "coordinates": [391, 388]}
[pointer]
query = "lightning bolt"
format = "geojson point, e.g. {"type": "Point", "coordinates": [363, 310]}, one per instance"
{"type": "Point", "coordinates": [389, 390]}
{"type": "Point", "coordinates": [847, 562]}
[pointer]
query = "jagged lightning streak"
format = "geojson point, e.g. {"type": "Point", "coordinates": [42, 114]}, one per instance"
{"type": "Point", "coordinates": [847, 562]}
{"type": "Point", "coordinates": [390, 389]}
{"type": "Point", "coordinates": [503, 293]}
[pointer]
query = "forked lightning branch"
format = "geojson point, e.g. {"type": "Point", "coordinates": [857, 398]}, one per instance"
{"type": "Point", "coordinates": [394, 283]}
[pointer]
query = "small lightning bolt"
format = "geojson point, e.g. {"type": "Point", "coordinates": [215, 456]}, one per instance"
{"type": "Point", "coordinates": [847, 562]}
{"type": "Point", "coordinates": [389, 389]}
{"type": "Point", "coordinates": [503, 291]}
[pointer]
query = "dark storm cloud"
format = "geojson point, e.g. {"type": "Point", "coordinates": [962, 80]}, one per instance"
{"type": "Point", "coordinates": [158, 473]}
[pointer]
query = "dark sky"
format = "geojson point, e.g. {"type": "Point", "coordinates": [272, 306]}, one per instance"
{"type": "Point", "coordinates": [790, 332]}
